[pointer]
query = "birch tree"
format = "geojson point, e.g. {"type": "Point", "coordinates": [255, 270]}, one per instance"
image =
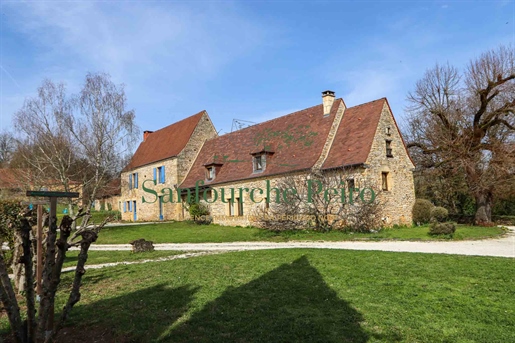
{"type": "Point", "coordinates": [44, 147]}
{"type": "Point", "coordinates": [103, 130]}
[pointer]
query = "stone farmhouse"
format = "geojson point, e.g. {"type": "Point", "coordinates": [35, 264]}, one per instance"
{"type": "Point", "coordinates": [188, 158]}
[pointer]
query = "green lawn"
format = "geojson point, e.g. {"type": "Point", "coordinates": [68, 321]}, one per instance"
{"type": "Point", "coordinates": [186, 232]}
{"type": "Point", "coordinates": [298, 296]}
{"type": "Point", "coordinates": [99, 257]}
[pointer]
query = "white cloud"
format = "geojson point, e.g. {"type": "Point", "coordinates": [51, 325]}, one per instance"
{"type": "Point", "coordinates": [159, 50]}
{"type": "Point", "coordinates": [139, 39]}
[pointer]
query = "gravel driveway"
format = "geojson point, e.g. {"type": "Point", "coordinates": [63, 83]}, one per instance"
{"type": "Point", "coordinates": [502, 247]}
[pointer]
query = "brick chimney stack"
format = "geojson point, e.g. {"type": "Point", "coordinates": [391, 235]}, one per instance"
{"type": "Point", "coordinates": [146, 134]}
{"type": "Point", "coordinates": [327, 100]}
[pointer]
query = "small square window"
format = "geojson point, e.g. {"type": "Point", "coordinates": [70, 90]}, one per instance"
{"type": "Point", "coordinates": [351, 184]}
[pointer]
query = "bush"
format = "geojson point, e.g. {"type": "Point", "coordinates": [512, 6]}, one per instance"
{"type": "Point", "coordinates": [421, 211]}
{"type": "Point", "coordinates": [199, 213]}
{"type": "Point", "coordinates": [442, 229]}
{"type": "Point", "coordinates": [9, 218]}
{"type": "Point", "coordinates": [439, 214]}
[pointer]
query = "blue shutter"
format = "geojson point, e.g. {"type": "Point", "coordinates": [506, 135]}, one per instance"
{"type": "Point", "coordinates": [163, 174]}
{"type": "Point", "coordinates": [155, 174]}
{"type": "Point", "coordinates": [130, 181]}
{"type": "Point", "coordinates": [136, 180]}
{"type": "Point", "coordinates": [124, 206]}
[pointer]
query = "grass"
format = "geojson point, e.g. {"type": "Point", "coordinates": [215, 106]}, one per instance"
{"type": "Point", "coordinates": [299, 296]}
{"type": "Point", "coordinates": [97, 217]}
{"type": "Point", "coordinates": [187, 232]}
{"type": "Point", "coordinates": [99, 257]}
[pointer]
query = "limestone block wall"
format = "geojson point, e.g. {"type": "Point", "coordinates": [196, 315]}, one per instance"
{"type": "Point", "coordinates": [114, 202]}
{"type": "Point", "coordinates": [176, 169]}
{"type": "Point", "coordinates": [330, 137]}
{"type": "Point", "coordinates": [398, 200]}
{"type": "Point", "coordinates": [149, 210]}
{"type": "Point", "coordinates": [251, 209]}
{"type": "Point", "coordinates": [203, 131]}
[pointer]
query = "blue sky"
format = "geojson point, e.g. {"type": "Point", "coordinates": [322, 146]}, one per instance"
{"type": "Point", "coordinates": [251, 60]}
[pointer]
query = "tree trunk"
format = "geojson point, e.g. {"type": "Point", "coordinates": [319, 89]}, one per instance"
{"type": "Point", "coordinates": [8, 299]}
{"type": "Point", "coordinates": [483, 208]}
{"type": "Point", "coordinates": [18, 268]}
{"type": "Point", "coordinates": [26, 261]}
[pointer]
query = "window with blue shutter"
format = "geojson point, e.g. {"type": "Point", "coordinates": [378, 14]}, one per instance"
{"type": "Point", "coordinates": [129, 203]}
{"type": "Point", "coordinates": [130, 181]}
{"type": "Point", "coordinates": [124, 206]}
{"type": "Point", "coordinates": [162, 174]}
{"type": "Point", "coordinates": [155, 174]}
{"type": "Point", "coordinates": [135, 180]}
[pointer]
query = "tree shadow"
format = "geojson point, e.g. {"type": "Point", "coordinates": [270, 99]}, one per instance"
{"type": "Point", "coordinates": [134, 317]}
{"type": "Point", "coordinates": [291, 303]}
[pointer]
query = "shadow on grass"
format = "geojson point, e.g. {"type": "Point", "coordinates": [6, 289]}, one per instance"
{"type": "Point", "coordinates": [135, 317]}
{"type": "Point", "coordinates": [291, 303]}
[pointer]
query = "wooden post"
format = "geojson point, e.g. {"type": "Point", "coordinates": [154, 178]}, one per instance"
{"type": "Point", "coordinates": [53, 216]}
{"type": "Point", "coordinates": [39, 261]}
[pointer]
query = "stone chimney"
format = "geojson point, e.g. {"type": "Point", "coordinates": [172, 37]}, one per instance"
{"type": "Point", "coordinates": [146, 134]}
{"type": "Point", "coordinates": [327, 100]}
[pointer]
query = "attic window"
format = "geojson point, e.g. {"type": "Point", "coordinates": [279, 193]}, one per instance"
{"type": "Point", "coordinates": [258, 163]}
{"type": "Point", "coordinates": [259, 158]}
{"type": "Point", "coordinates": [210, 175]}
{"type": "Point", "coordinates": [389, 148]}
{"type": "Point", "coordinates": [388, 131]}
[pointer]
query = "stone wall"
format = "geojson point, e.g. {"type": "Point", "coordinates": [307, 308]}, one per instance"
{"type": "Point", "coordinates": [175, 171]}
{"type": "Point", "coordinates": [398, 200]}
{"type": "Point", "coordinates": [114, 202]}
{"type": "Point", "coordinates": [205, 130]}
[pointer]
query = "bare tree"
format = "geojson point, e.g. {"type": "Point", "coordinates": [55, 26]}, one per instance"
{"type": "Point", "coordinates": [465, 123]}
{"type": "Point", "coordinates": [44, 147]}
{"type": "Point", "coordinates": [103, 130]}
{"type": "Point", "coordinates": [7, 147]}
{"type": "Point", "coordinates": [322, 200]}
{"type": "Point", "coordinates": [82, 138]}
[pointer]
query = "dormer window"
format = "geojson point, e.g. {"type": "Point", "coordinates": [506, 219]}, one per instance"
{"type": "Point", "coordinates": [211, 170]}
{"type": "Point", "coordinates": [210, 173]}
{"type": "Point", "coordinates": [258, 163]}
{"type": "Point", "coordinates": [259, 158]}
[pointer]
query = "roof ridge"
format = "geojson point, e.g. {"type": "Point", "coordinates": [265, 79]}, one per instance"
{"type": "Point", "coordinates": [269, 120]}
{"type": "Point", "coordinates": [368, 102]}
{"type": "Point", "coordinates": [167, 126]}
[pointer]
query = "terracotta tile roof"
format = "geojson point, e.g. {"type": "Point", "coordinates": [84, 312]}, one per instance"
{"type": "Point", "coordinates": [355, 134]}
{"type": "Point", "coordinates": [12, 178]}
{"type": "Point", "coordinates": [164, 143]}
{"type": "Point", "coordinates": [17, 178]}
{"type": "Point", "coordinates": [113, 188]}
{"type": "Point", "coordinates": [295, 140]}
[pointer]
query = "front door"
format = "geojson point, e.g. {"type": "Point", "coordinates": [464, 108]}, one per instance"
{"type": "Point", "coordinates": [134, 208]}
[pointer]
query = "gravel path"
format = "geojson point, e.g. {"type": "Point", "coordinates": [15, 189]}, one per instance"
{"type": "Point", "coordinates": [160, 259]}
{"type": "Point", "coordinates": [501, 247]}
